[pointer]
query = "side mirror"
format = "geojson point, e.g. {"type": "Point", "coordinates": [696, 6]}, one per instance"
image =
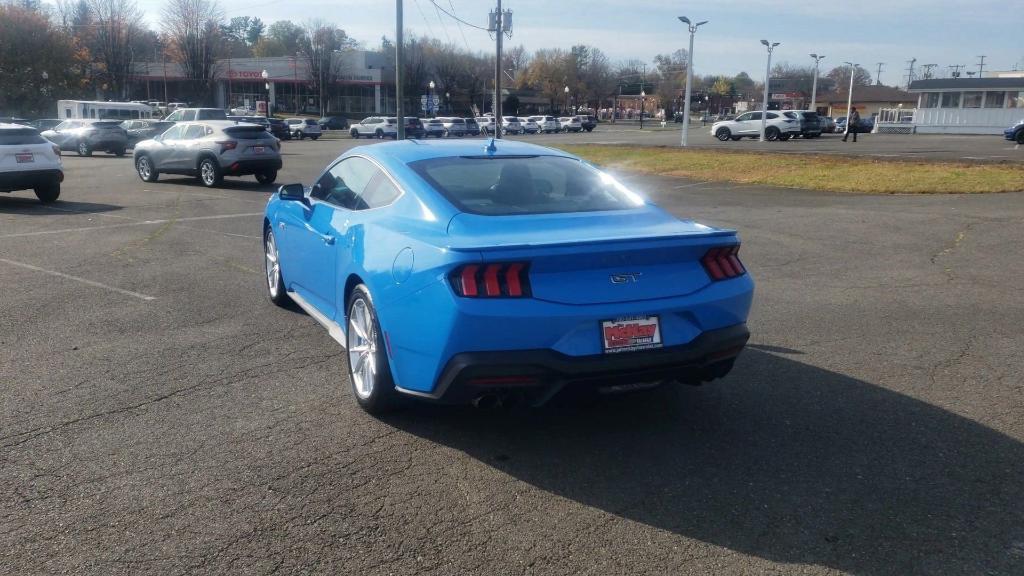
{"type": "Point", "coordinates": [295, 192]}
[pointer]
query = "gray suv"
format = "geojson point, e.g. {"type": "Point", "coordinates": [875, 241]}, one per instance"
{"type": "Point", "coordinates": [86, 135]}
{"type": "Point", "coordinates": [210, 150]}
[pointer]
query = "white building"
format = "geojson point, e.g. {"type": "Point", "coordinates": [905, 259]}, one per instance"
{"type": "Point", "coordinates": [968, 105]}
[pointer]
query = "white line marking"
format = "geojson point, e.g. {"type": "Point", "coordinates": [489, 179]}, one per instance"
{"type": "Point", "coordinates": [78, 279]}
{"type": "Point", "coordinates": [691, 185]}
{"type": "Point", "coordinates": [127, 224]}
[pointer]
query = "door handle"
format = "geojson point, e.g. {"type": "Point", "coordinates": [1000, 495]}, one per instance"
{"type": "Point", "coordinates": [328, 239]}
{"type": "Point", "coordinates": [280, 225]}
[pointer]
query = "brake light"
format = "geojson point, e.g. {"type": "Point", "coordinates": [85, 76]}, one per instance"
{"type": "Point", "coordinates": [722, 262]}
{"type": "Point", "coordinates": [494, 280]}
{"type": "Point", "coordinates": [226, 145]}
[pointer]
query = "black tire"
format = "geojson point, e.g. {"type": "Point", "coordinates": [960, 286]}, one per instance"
{"type": "Point", "coordinates": [736, 138]}
{"type": "Point", "coordinates": [83, 148]}
{"type": "Point", "coordinates": [267, 177]}
{"type": "Point", "coordinates": [446, 134]}
{"type": "Point", "coordinates": [276, 289]}
{"type": "Point", "coordinates": [144, 167]}
{"type": "Point", "coordinates": [784, 137]}
{"type": "Point", "coordinates": [771, 134]}
{"type": "Point", "coordinates": [210, 173]}
{"type": "Point", "coordinates": [723, 134]}
{"type": "Point", "coordinates": [314, 138]}
{"type": "Point", "coordinates": [119, 152]}
{"type": "Point", "coordinates": [354, 134]}
{"type": "Point", "coordinates": [48, 192]}
{"type": "Point", "coordinates": [382, 397]}
{"type": "Point", "coordinates": [1020, 137]}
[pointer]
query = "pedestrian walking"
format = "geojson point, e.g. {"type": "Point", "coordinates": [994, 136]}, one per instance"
{"type": "Point", "coordinates": [852, 124]}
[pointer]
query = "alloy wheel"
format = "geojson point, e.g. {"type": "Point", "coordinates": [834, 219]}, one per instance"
{"type": "Point", "coordinates": [362, 348]}
{"type": "Point", "coordinates": [273, 267]}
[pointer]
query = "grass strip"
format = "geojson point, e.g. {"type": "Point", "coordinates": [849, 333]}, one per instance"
{"type": "Point", "coordinates": [810, 171]}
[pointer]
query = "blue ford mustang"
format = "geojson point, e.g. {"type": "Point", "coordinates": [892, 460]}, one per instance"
{"type": "Point", "coordinates": [465, 271]}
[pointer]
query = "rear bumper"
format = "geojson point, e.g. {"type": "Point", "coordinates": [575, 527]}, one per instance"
{"type": "Point", "coordinates": [23, 180]}
{"type": "Point", "coordinates": [244, 167]}
{"type": "Point", "coordinates": [543, 373]}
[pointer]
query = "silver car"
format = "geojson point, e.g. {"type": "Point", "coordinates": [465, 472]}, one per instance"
{"type": "Point", "coordinates": [454, 127]}
{"type": "Point", "coordinates": [210, 150]}
{"type": "Point", "coordinates": [87, 135]}
{"type": "Point", "coordinates": [433, 127]}
{"type": "Point", "coordinates": [547, 124]}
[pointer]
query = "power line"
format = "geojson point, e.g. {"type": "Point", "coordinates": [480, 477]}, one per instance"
{"type": "Point", "coordinates": [459, 25]}
{"type": "Point", "coordinates": [456, 18]}
{"type": "Point", "coordinates": [444, 28]}
{"type": "Point", "coordinates": [424, 16]}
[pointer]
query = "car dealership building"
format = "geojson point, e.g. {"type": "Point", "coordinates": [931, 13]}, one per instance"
{"type": "Point", "coordinates": [968, 105]}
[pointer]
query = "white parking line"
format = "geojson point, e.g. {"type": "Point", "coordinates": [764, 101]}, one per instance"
{"type": "Point", "coordinates": [128, 224]}
{"type": "Point", "coordinates": [78, 279]}
{"type": "Point", "coordinates": [690, 185]}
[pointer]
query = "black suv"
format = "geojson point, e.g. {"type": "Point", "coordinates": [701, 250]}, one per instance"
{"type": "Point", "coordinates": [333, 123]}
{"type": "Point", "coordinates": [279, 128]}
{"type": "Point", "coordinates": [811, 125]}
{"type": "Point", "coordinates": [588, 122]}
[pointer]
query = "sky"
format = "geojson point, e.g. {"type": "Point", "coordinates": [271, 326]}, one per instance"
{"type": "Point", "coordinates": [865, 32]}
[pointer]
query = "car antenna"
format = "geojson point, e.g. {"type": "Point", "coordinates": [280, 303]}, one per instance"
{"type": "Point", "coordinates": [491, 148]}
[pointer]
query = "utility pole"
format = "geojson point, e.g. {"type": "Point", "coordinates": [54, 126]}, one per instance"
{"type": "Point", "coordinates": [955, 70]}
{"type": "Point", "coordinates": [878, 76]}
{"type": "Point", "coordinates": [399, 56]}
{"type": "Point", "coordinates": [981, 65]}
{"type": "Point", "coordinates": [910, 71]}
{"type": "Point", "coordinates": [496, 25]}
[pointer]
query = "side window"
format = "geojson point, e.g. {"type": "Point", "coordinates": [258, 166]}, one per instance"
{"type": "Point", "coordinates": [173, 133]}
{"type": "Point", "coordinates": [175, 116]}
{"type": "Point", "coordinates": [380, 191]}
{"type": "Point", "coordinates": [772, 116]}
{"type": "Point", "coordinates": [344, 182]}
{"type": "Point", "coordinates": [188, 115]}
{"type": "Point", "coordinates": [754, 116]}
{"type": "Point", "coordinates": [194, 131]}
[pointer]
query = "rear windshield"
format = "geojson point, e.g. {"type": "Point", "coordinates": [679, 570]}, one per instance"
{"type": "Point", "coordinates": [20, 137]}
{"type": "Point", "coordinates": [507, 185]}
{"type": "Point", "coordinates": [248, 132]}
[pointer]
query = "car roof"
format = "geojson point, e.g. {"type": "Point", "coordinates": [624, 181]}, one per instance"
{"type": "Point", "coordinates": [10, 126]}
{"type": "Point", "coordinates": [406, 151]}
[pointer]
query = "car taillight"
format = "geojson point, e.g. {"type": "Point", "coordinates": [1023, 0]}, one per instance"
{"type": "Point", "coordinates": [723, 263]}
{"type": "Point", "coordinates": [494, 280]}
{"type": "Point", "coordinates": [226, 145]}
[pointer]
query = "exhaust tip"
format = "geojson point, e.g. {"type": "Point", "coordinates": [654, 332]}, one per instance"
{"type": "Point", "coordinates": [487, 402]}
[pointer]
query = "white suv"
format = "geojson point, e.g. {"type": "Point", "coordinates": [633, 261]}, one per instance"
{"type": "Point", "coordinates": [570, 123]}
{"type": "Point", "coordinates": [779, 126]}
{"type": "Point", "coordinates": [375, 127]}
{"type": "Point", "coordinates": [27, 160]}
{"type": "Point", "coordinates": [487, 124]}
{"type": "Point", "coordinates": [303, 128]}
{"type": "Point", "coordinates": [511, 125]}
{"type": "Point", "coordinates": [547, 124]}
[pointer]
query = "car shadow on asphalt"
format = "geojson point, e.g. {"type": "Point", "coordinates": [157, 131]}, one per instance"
{"type": "Point", "coordinates": [246, 183]}
{"type": "Point", "coordinates": [781, 460]}
{"type": "Point", "coordinates": [31, 206]}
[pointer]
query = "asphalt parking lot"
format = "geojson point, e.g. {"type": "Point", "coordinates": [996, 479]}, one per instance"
{"type": "Point", "coordinates": [159, 416]}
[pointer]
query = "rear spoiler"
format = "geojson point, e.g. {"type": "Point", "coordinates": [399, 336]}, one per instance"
{"type": "Point", "coordinates": [714, 233]}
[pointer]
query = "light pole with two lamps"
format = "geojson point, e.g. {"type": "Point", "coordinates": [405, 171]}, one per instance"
{"type": "Point", "coordinates": [689, 76]}
{"type": "Point", "coordinates": [814, 86]}
{"type": "Point", "coordinates": [767, 74]}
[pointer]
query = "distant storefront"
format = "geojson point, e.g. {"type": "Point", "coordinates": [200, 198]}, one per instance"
{"type": "Point", "coordinates": [239, 83]}
{"type": "Point", "coordinates": [868, 100]}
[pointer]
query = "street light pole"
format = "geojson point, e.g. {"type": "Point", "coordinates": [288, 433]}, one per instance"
{"type": "Point", "coordinates": [814, 87]}
{"type": "Point", "coordinates": [399, 60]}
{"type": "Point", "coordinates": [266, 84]}
{"type": "Point", "coordinates": [849, 98]}
{"type": "Point", "coordinates": [767, 75]}
{"type": "Point", "coordinates": [565, 106]}
{"type": "Point", "coordinates": [430, 101]}
{"type": "Point", "coordinates": [643, 100]}
{"type": "Point", "coordinates": [689, 77]}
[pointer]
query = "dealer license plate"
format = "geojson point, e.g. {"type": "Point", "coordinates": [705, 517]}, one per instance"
{"type": "Point", "coordinates": [259, 149]}
{"type": "Point", "coordinates": [25, 158]}
{"type": "Point", "coordinates": [631, 333]}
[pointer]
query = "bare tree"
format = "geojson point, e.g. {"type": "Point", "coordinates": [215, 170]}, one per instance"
{"type": "Point", "coordinates": [322, 46]}
{"type": "Point", "coordinates": [192, 31]}
{"type": "Point", "coordinates": [116, 23]}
